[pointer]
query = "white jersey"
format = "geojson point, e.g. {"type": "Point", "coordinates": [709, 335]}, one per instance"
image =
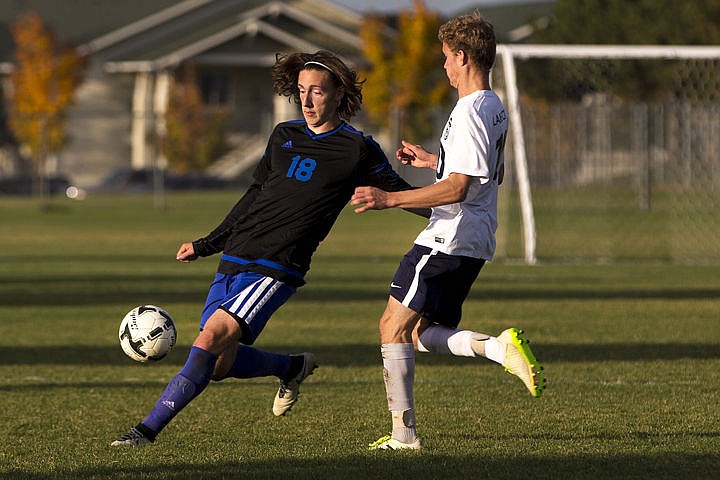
{"type": "Point", "coordinates": [472, 144]}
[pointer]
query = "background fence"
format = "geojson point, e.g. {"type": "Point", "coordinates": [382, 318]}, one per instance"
{"type": "Point", "coordinates": [623, 159]}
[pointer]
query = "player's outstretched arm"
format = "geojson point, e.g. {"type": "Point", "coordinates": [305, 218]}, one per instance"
{"type": "Point", "coordinates": [416, 156]}
{"type": "Point", "coordinates": [186, 253]}
{"type": "Point", "coordinates": [451, 190]}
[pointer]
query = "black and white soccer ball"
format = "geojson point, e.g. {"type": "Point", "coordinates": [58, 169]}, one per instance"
{"type": "Point", "coordinates": [147, 333]}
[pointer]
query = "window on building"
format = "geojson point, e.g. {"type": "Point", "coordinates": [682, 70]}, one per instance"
{"type": "Point", "coordinates": [215, 88]}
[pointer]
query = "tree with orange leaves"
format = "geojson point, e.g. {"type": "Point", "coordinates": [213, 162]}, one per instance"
{"type": "Point", "coordinates": [44, 82]}
{"type": "Point", "coordinates": [195, 134]}
{"type": "Point", "coordinates": [405, 81]}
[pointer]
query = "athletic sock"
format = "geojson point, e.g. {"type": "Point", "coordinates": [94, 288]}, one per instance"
{"type": "Point", "coordinates": [461, 343]}
{"type": "Point", "coordinates": [404, 426]}
{"type": "Point", "coordinates": [494, 350]}
{"type": "Point", "coordinates": [447, 341]}
{"type": "Point", "coordinates": [251, 362]}
{"type": "Point", "coordinates": [182, 389]}
{"type": "Point", "coordinates": [399, 376]}
{"type": "Point", "coordinates": [297, 362]}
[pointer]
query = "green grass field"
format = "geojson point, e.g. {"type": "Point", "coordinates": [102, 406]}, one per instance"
{"type": "Point", "coordinates": [631, 352]}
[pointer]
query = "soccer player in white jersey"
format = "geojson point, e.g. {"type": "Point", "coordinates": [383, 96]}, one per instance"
{"type": "Point", "coordinates": [433, 279]}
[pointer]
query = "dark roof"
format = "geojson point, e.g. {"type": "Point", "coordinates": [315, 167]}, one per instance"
{"type": "Point", "coordinates": [134, 35]}
{"type": "Point", "coordinates": [164, 33]}
{"type": "Point", "coordinates": [237, 33]}
{"type": "Point", "coordinates": [75, 21]}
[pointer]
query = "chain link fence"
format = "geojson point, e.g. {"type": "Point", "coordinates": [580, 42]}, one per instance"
{"type": "Point", "coordinates": [623, 158]}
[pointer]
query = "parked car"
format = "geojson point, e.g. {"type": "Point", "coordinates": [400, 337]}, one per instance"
{"type": "Point", "coordinates": [23, 185]}
{"type": "Point", "coordinates": [128, 180]}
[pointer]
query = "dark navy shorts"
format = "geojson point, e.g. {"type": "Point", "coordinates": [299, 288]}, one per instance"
{"type": "Point", "coordinates": [251, 298]}
{"type": "Point", "coordinates": [435, 284]}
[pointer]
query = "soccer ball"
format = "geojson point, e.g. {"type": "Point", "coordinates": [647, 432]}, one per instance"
{"type": "Point", "coordinates": [147, 333]}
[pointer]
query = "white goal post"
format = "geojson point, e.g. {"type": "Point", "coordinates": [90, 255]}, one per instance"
{"type": "Point", "coordinates": [510, 53]}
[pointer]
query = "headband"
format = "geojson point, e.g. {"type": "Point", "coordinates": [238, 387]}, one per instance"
{"type": "Point", "coordinates": [312, 62]}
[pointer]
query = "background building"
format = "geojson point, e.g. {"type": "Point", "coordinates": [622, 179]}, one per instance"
{"type": "Point", "coordinates": [135, 46]}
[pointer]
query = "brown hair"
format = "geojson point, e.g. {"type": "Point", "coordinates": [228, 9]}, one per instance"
{"type": "Point", "coordinates": [473, 35]}
{"type": "Point", "coordinates": [288, 66]}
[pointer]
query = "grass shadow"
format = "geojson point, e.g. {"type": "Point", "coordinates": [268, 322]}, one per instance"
{"type": "Point", "coordinates": [362, 355]}
{"type": "Point", "coordinates": [409, 465]}
{"type": "Point", "coordinates": [101, 290]}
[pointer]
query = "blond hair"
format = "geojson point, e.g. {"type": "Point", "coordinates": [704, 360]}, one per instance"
{"type": "Point", "coordinates": [473, 35]}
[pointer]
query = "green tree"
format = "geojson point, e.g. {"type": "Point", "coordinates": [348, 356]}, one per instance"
{"type": "Point", "coordinates": [619, 22]}
{"type": "Point", "coordinates": [44, 81]}
{"type": "Point", "coordinates": [405, 81]}
{"type": "Point", "coordinates": [195, 135]}
{"type": "Point", "coordinates": [641, 22]}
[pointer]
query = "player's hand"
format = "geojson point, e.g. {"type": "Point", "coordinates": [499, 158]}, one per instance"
{"type": "Point", "coordinates": [416, 156]}
{"type": "Point", "coordinates": [186, 253]}
{"type": "Point", "coordinates": [369, 198]}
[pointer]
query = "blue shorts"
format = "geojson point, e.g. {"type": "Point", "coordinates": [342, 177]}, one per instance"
{"type": "Point", "coordinates": [251, 298]}
{"type": "Point", "coordinates": [435, 284]}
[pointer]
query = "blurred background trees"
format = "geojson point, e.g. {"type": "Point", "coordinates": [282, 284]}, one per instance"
{"type": "Point", "coordinates": [641, 22]}
{"type": "Point", "coordinates": [44, 83]}
{"type": "Point", "coordinates": [406, 84]}
{"type": "Point", "coordinates": [195, 132]}
{"type": "Point", "coordinates": [618, 22]}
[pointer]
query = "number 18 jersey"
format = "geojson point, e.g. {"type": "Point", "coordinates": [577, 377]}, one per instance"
{"type": "Point", "coordinates": [300, 186]}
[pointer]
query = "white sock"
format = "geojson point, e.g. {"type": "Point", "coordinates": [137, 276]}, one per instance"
{"type": "Point", "coordinates": [448, 341]}
{"type": "Point", "coordinates": [399, 375]}
{"type": "Point", "coordinates": [494, 350]}
{"type": "Point", "coordinates": [404, 426]}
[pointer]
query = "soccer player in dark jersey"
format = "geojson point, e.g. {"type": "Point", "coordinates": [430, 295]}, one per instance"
{"type": "Point", "coordinates": [306, 176]}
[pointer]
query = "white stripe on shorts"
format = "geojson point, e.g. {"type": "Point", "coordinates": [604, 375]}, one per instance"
{"type": "Point", "coordinates": [248, 302]}
{"type": "Point", "coordinates": [416, 279]}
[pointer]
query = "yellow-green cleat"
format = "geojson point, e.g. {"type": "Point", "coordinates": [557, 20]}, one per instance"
{"type": "Point", "coordinates": [520, 361]}
{"type": "Point", "coordinates": [389, 443]}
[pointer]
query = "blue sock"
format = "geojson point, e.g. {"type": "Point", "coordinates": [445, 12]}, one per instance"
{"type": "Point", "coordinates": [186, 385]}
{"type": "Point", "coordinates": [251, 362]}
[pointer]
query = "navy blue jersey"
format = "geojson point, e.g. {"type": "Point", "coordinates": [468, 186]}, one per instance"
{"type": "Point", "coordinates": [300, 186]}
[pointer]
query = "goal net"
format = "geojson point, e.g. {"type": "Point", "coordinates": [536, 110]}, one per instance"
{"type": "Point", "coordinates": [613, 153]}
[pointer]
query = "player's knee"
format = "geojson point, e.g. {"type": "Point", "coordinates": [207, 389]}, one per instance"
{"type": "Point", "coordinates": [394, 330]}
{"type": "Point", "coordinates": [217, 336]}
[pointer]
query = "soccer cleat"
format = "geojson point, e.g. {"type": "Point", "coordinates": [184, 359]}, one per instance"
{"type": "Point", "coordinates": [131, 439]}
{"type": "Point", "coordinates": [520, 361]}
{"type": "Point", "coordinates": [389, 443]}
{"type": "Point", "coordinates": [289, 390]}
